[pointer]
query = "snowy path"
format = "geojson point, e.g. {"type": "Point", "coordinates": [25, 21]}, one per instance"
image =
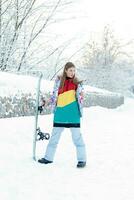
{"type": "Point", "coordinates": [109, 175]}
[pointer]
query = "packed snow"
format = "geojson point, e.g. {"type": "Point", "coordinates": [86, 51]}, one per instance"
{"type": "Point", "coordinates": [109, 174]}
{"type": "Point", "coordinates": [13, 83]}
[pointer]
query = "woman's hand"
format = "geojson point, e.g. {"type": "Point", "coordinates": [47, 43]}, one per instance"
{"type": "Point", "coordinates": [43, 102]}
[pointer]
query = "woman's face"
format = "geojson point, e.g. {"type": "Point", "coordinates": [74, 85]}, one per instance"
{"type": "Point", "coordinates": [70, 72]}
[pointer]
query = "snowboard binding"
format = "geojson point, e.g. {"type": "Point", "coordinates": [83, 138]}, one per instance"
{"type": "Point", "coordinates": [41, 135]}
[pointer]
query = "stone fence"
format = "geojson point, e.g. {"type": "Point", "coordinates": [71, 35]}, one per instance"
{"type": "Point", "coordinates": [24, 104]}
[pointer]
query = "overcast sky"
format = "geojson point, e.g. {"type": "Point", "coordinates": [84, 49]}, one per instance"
{"type": "Point", "coordinates": [89, 19]}
{"type": "Point", "coordinates": [118, 13]}
{"type": "Point", "coordinates": [94, 15]}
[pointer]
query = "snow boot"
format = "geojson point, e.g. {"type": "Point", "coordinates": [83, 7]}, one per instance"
{"type": "Point", "coordinates": [81, 164]}
{"type": "Point", "coordinates": [44, 161]}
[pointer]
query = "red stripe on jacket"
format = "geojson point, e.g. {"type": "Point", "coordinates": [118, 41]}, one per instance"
{"type": "Point", "coordinates": [68, 85]}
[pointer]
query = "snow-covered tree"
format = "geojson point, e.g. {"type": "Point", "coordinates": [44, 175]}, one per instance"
{"type": "Point", "coordinates": [108, 50]}
{"type": "Point", "coordinates": [24, 42]}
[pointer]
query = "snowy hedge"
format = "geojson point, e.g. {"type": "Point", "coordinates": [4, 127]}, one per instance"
{"type": "Point", "coordinates": [24, 104]}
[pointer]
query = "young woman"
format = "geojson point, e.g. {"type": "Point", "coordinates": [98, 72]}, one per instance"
{"type": "Point", "coordinates": [66, 101]}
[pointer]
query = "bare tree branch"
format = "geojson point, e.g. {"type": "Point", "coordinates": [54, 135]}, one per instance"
{"type": "Point", "coordinates": [68, 59]}
{"type": "Point", "coordinates": [21, 22]}
{"type": "Point", "coordinates": [6, 8]}
{"type": "Point", "coordinates": [32, 39]}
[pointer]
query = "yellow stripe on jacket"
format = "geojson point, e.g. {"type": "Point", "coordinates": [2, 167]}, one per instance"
{"type": "Point", "coordinates": [66, 98]}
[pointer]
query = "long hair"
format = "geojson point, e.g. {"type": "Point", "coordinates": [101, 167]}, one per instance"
{"type": "Point", "coordinates": [63, 76]}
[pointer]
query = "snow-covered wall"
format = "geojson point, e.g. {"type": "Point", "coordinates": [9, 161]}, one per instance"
{"type": "Point", "coordinates": [18, 95]}
{"type": "Point", "coordinates": [24, 104]}
{"type": "Point", "coordinates": [116, 78]}
{"type": "Point", "coordinates": [19, 105]}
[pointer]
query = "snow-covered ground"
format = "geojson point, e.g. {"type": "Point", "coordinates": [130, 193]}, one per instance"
{"type": "Point", "coordinates": [12, 83]}
{"type": "Point", "coordinates": [109, 136]}
{"type": "Point", "coordinates": [109, 174]}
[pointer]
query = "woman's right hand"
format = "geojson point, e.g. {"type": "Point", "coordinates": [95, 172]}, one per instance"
{"type": "Point", "coordinates": [43, 102]}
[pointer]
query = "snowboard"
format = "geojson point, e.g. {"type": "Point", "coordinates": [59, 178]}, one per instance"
{"type": "Point", "coordinates": [38, 134]}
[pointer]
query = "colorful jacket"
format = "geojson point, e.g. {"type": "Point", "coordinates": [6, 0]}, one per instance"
{"type": "Point", "coordinates": [79, 96]}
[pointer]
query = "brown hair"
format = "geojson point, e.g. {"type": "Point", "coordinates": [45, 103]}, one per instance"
{"type": "Point", "coordinates": [63, 76]}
